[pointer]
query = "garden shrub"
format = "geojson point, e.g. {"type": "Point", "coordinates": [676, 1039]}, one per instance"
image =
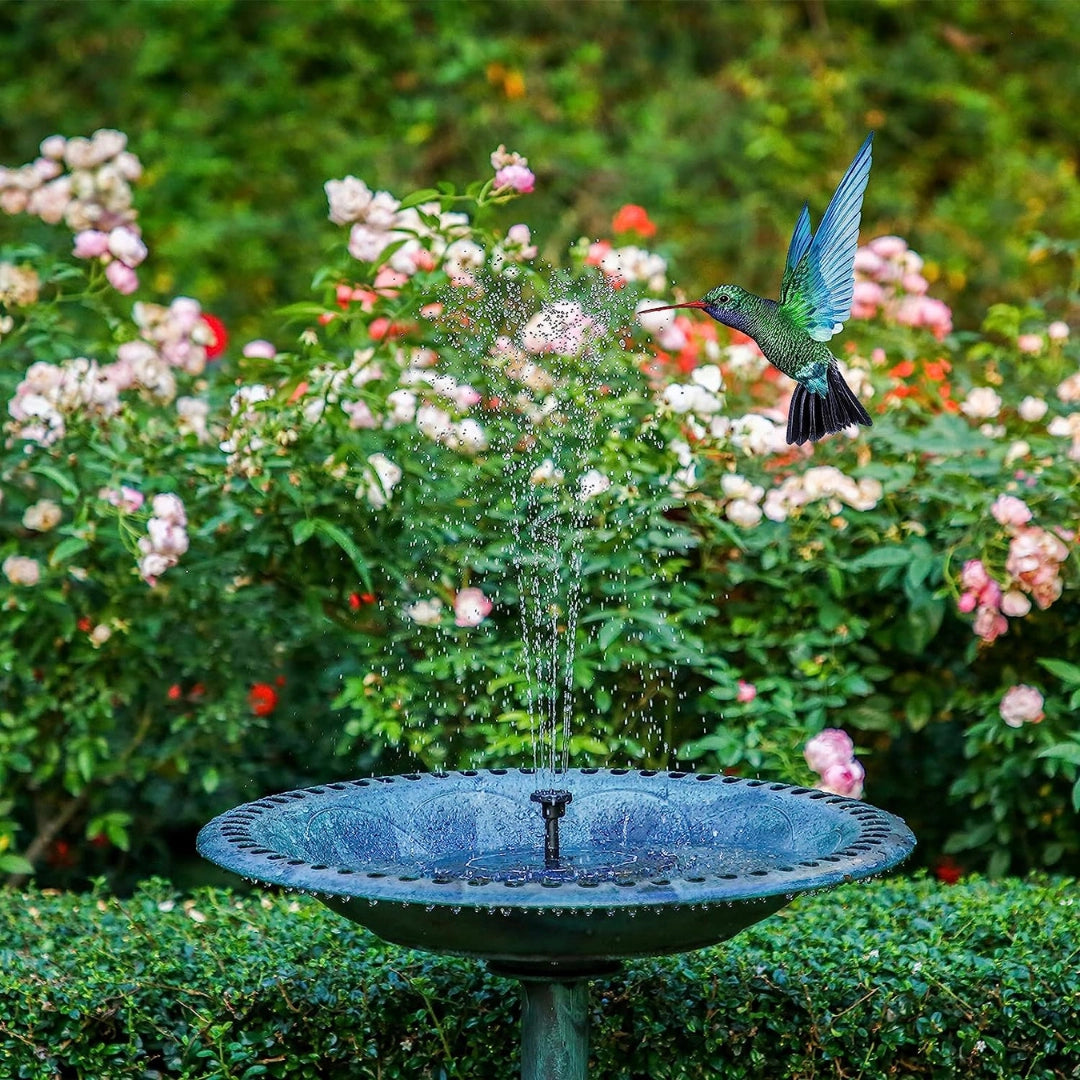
{"type": "Point", "coordinates": [340, 520]}
{"type": "Point", "coordinates": [900, 978]}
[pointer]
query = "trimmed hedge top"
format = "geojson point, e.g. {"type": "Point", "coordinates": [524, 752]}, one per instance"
{"type": "Point", "coordinates": [890, 979]}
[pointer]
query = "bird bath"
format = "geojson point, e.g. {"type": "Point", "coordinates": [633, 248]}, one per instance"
{"type": "Point", "coordinates": [556, 885]}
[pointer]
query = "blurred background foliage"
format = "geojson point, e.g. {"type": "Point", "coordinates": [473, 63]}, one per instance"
{"type": "Point", "coordinates": [719, 118]}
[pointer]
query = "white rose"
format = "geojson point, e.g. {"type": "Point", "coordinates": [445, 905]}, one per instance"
{"type": "Point", "coordinates": [742, 512]}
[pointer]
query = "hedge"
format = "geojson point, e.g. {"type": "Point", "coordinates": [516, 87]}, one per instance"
{"type": "Point", "coordinates": [897, 978]}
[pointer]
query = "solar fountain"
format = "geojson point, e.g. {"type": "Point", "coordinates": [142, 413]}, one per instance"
{"type": "Point", "coordinates": [555, 875]}
{"type": "Point", "coordinates": [555, 886]}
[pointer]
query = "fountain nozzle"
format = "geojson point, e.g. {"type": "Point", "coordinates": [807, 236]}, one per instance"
{"type": "Point", "coordinates": [552, 806]}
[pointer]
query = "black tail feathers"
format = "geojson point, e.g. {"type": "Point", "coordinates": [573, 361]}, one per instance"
{"type": "Point", "coordinates": [813, 416]}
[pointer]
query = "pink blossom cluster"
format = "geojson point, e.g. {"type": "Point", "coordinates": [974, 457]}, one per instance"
{"type": "Point", "coordinates": [1032, 343]}
{"type": "Point", "coordinates": [1021, 704]}
{"type": "Point", "coordinates": [51, 394]}
{"type": "Point", "coordinates": [166, 539]}
{"type": "Point", "coordinates": [177, 334]}
{"type": "Point", "coordinates": [512, 172]}
{"type": "Point", "coordinates": [1032, 568]}
{"type": "Point", "coordinates": [85, 183]}
{"type": "Point", "coordinates": [562, 327]}
{"type": "Point", "coordinates": [516, 247]}
{"type": "Point", "coordinates": [825, 484]}
{"type": "Point", "coordinates": [377, 222]}
{"type": "Point", "coordinates": [433, 401]}
{"type": "Point", "coordinates": [831, 754]}
{"type": "Point", "coordinates": [629, 263]}
{"type": "Point", "coordinates": [889, 280]}
{"type": "Point", "coordinates": [471, 608]}
{"type": "Point", "coordinates": [248, 432]}
{"type": "Point", "coordinates": [19, 286]}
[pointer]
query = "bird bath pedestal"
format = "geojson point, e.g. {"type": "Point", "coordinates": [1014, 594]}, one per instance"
{"type": "Point", "coordinates": [612, 864]}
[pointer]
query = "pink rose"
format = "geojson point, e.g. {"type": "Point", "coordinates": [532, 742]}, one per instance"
{"type": "Point", "coordinates": [471, 607]}
{"type": "Point", "coordinates": [169, 507]}
{"type": "Point", "coordinates": [1009, 510]}
{"type": "Point", "coordinates": [974, 575]}
{"type": "Point", "coordinates": [1015, 604]}
{"type": "Point", "coordinates": [746, 692]}
{"type": "Point", "coordinates": [518, 177]}
{"type": "Point", "coordinates": [1029, 343]}
{"type": "Point", "coordinates": [126, 499]}
{"type": "Point", "coordinates": [91, 244]}
{"type": "Point", "coordinates": [844, 779]}
{"type": "Point", "coordinates": [830, 747]}
{"type": "Point", "coordinates": [260, 349]}
{"type": "Point", "coordinates": [990, 624]}
{"type": "Point", "coordinates": [122, 278]}
{"type": "Point", "coordinates": [1021, 705]}
{"type": "Point", "coordinates": [126, 245]}
{"type": "Point", "coordinates": [888, 247]}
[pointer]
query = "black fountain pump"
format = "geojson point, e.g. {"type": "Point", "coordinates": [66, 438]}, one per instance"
{"type": "Point", "coordinates": [553, 803]}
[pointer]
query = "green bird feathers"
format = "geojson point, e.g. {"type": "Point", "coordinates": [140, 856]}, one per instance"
{"type": "Point", "coordinates": [815, 301]}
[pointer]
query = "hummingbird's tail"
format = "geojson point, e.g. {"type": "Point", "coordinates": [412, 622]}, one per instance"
{"type": "Point", "coordinates": [813, 416]}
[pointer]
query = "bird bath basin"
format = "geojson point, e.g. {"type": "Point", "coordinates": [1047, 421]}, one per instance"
{"type": "Point", "coordinates": [611, 864]}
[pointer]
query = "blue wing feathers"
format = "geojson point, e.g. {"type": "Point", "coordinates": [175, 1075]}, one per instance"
{"type": "Point", "coordinates": [800, 241]}
{"type": "Point", "coordinates": [819, 277]}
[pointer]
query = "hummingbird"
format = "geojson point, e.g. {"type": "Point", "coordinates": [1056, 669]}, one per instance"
{"type": "Point", "coordinates": [815, 300]}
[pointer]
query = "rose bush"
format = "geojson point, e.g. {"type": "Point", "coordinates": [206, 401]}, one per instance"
{"type": "Point", "coordinates": [357, 509]}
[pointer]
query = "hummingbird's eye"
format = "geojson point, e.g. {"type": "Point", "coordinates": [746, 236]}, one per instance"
{"type": "Point", "coordinates": [724, 298]}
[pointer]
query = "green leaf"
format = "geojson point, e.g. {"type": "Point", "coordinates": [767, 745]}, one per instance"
{"type": "Point", "coordinates": [881, 557]}
{"type": "Point", "coordinates": [1066, 751]}
{"type": "Point", "coordinates": [61, 480]}
{"type": "Point", "coordinates": [15, 864]}
{"type": "Point", "coordinates": [610, 632]}
{"type": "Point", "coordinates": [304, 310]}
{"type": "Point", "coordinates": [344, 541]}
{"type": "Point", "coordinates": [63, 551]}
{"type": "Point", "coordinates": [1068, 673]}
{"type": "Point", "coordinates": [417, 197]}
{"type": "Point", "coordinates": [920, 707]}
{"type": "Point", "coordinates": [303, 530]}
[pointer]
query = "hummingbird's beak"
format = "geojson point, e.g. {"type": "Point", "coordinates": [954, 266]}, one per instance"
{"type": "Point", "coordinates": [670, 307]}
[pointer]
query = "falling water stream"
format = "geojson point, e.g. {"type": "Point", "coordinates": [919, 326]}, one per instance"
{"type": "Point", "coordinates": [548, 358]}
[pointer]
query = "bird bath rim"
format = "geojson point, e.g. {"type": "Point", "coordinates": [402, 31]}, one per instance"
{"type": "Point", "coordinates": [251, 840]}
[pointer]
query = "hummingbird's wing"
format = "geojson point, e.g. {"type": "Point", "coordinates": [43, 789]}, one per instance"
{"type": "Point", "coordinates": [819, 275]}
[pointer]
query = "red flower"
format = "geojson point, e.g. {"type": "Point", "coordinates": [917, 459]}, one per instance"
{"type": "Point", "coordinates": [902, 370]}
{"type": "Point", "coordinates": [60, 855]}
{"type": "Point", "coordinates": [948, 870]}
{"type": "Point", "coordinates": [263, 699]}
{"type": "Point", "coordinates": [85, 624]}
{"type": "Point", "coordinates": [173, 693]}
{"type": "Point", "coordinates": [221, 336]}
{"type": "Point", "coordinates": [936, 370]}
{"type": "Point", "coordinates": [358, 600]}
{"type": "Point", "coordinates": [631, 218]}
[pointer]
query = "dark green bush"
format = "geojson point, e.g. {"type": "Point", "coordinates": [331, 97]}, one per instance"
{"type": "Point", "coordinates": [893, 979]}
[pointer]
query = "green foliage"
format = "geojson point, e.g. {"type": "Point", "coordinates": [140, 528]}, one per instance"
{"type": "Point", "coordinates": [721, 118]}
{"type": "Point", "coordinates": [890, 979]}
